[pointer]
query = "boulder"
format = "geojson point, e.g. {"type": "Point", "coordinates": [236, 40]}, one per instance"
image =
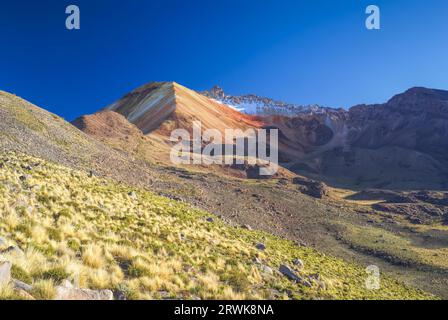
{"type": "Point", "coordinates": [260, 246]}
{"type": "Point", "coordinates": [315, 189]}
{"type": "Point", "coordinates": [210, 219]}
{"type": "Point", "coordinates": [22, 286]}
{"type": "Point", "coordinates": [5, 272]}
{"type": "Point", "coordinates": [291, 275]}
{"type": "Point", "coordinates": [70, 293]}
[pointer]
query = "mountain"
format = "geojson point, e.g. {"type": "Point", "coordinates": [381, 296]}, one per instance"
{"type": "Point", "coordinates": [398, 145]}
{"type": "Point", "coordinates": [144, 119]}
{"type": "Point", "coordinates": [160, 107]}
{"type": "Point", "coordinates": [401, 144]}
{"type": "Point", "coordinates": [255, 105]}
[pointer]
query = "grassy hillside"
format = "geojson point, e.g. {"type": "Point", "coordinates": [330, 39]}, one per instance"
{"type": "Point", "coordinates": [105, 235]}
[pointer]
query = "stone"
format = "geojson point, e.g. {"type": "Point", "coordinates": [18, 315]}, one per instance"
{"type": "Point", "coordinates": [132, 195]}
{"type": "Point", "coordinates": [13, 250]}
{"type": "Point", "coordinates": [291, 275]}
{"type": "Point", "coordinates": [5, 272]}
{"type": "Point", "coordinates": [266, 269]}
{"type": "Point", "coordinates": [19, 285]}
{"type": "Point", "coordinates": [64, 293]}
{"type": "Point", "coordinates": [315, 189]}
{"type": "Point", "coordinates": [248, 227]}
{"type": "Point", "coordinates": [299, 263]}
{"type": "Point", "coordinates": [260, 246]}
{"type": "Point", "coordinates": [210, 219]}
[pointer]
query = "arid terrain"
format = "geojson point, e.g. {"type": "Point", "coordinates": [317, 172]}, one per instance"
{"type": "Point", "coordinates": [356, 188]}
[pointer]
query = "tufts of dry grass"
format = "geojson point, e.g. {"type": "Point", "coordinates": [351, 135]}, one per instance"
{"type": "Point", "coordinates": [89, 230]}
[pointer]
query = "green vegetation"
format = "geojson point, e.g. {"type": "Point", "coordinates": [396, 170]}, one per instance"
{"type": "Point", "coordinates": [105, 235]}
{"type": "Point", "coordinates": [398, 247]}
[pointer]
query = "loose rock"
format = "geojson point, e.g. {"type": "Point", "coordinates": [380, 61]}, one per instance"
{"type": "Point", "coordinates": [260, 246]}
{"type": "Point", "coordinates": [19, 285]}
{"type": "Point", "coordinates": [299, 263]}
{"type": "Point", "coordinates": [64, 293]}
{"type": "Point", "coordinates": [291, 275]}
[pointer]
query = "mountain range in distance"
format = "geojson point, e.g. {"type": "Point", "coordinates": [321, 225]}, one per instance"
{"type": "Point", "coordinates": [398, 145]}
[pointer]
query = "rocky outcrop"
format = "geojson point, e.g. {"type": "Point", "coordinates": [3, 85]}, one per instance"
{"type": "Point", "coordinates": [253, 104]}
{"type": "Point", "coordinates": [312, 188]}
{"type": "Point", "coordinates": [67, 292]}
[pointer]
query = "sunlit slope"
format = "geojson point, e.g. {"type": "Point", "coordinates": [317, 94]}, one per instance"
{"type": "Point", "coordinates": [27, 128]}
{"type": "Point", "coordinates": [161, 107]}
{"type": "Point", "coordinates": [109, 236]}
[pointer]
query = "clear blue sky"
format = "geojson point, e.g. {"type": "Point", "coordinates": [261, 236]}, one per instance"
{"type": "Point", "coordinates": [310, 51]}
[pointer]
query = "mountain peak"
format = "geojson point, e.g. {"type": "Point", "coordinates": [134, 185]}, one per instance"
{"type": "Point", "coordinates": [216, 93]}
{"type": "Point", "coordinates": [419, 95]}
{"type": "Point", "coordinates": [255, 105]}
{"type": "Point", "coordinates": [166, 105]}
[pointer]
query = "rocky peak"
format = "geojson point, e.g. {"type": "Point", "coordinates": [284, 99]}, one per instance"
{"type": "Point", "coordinates": [421, 99]}
{"type": "Point", "coordinates": [217, 92]}
{"type": "Point", "coordinates": [256, 105]}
